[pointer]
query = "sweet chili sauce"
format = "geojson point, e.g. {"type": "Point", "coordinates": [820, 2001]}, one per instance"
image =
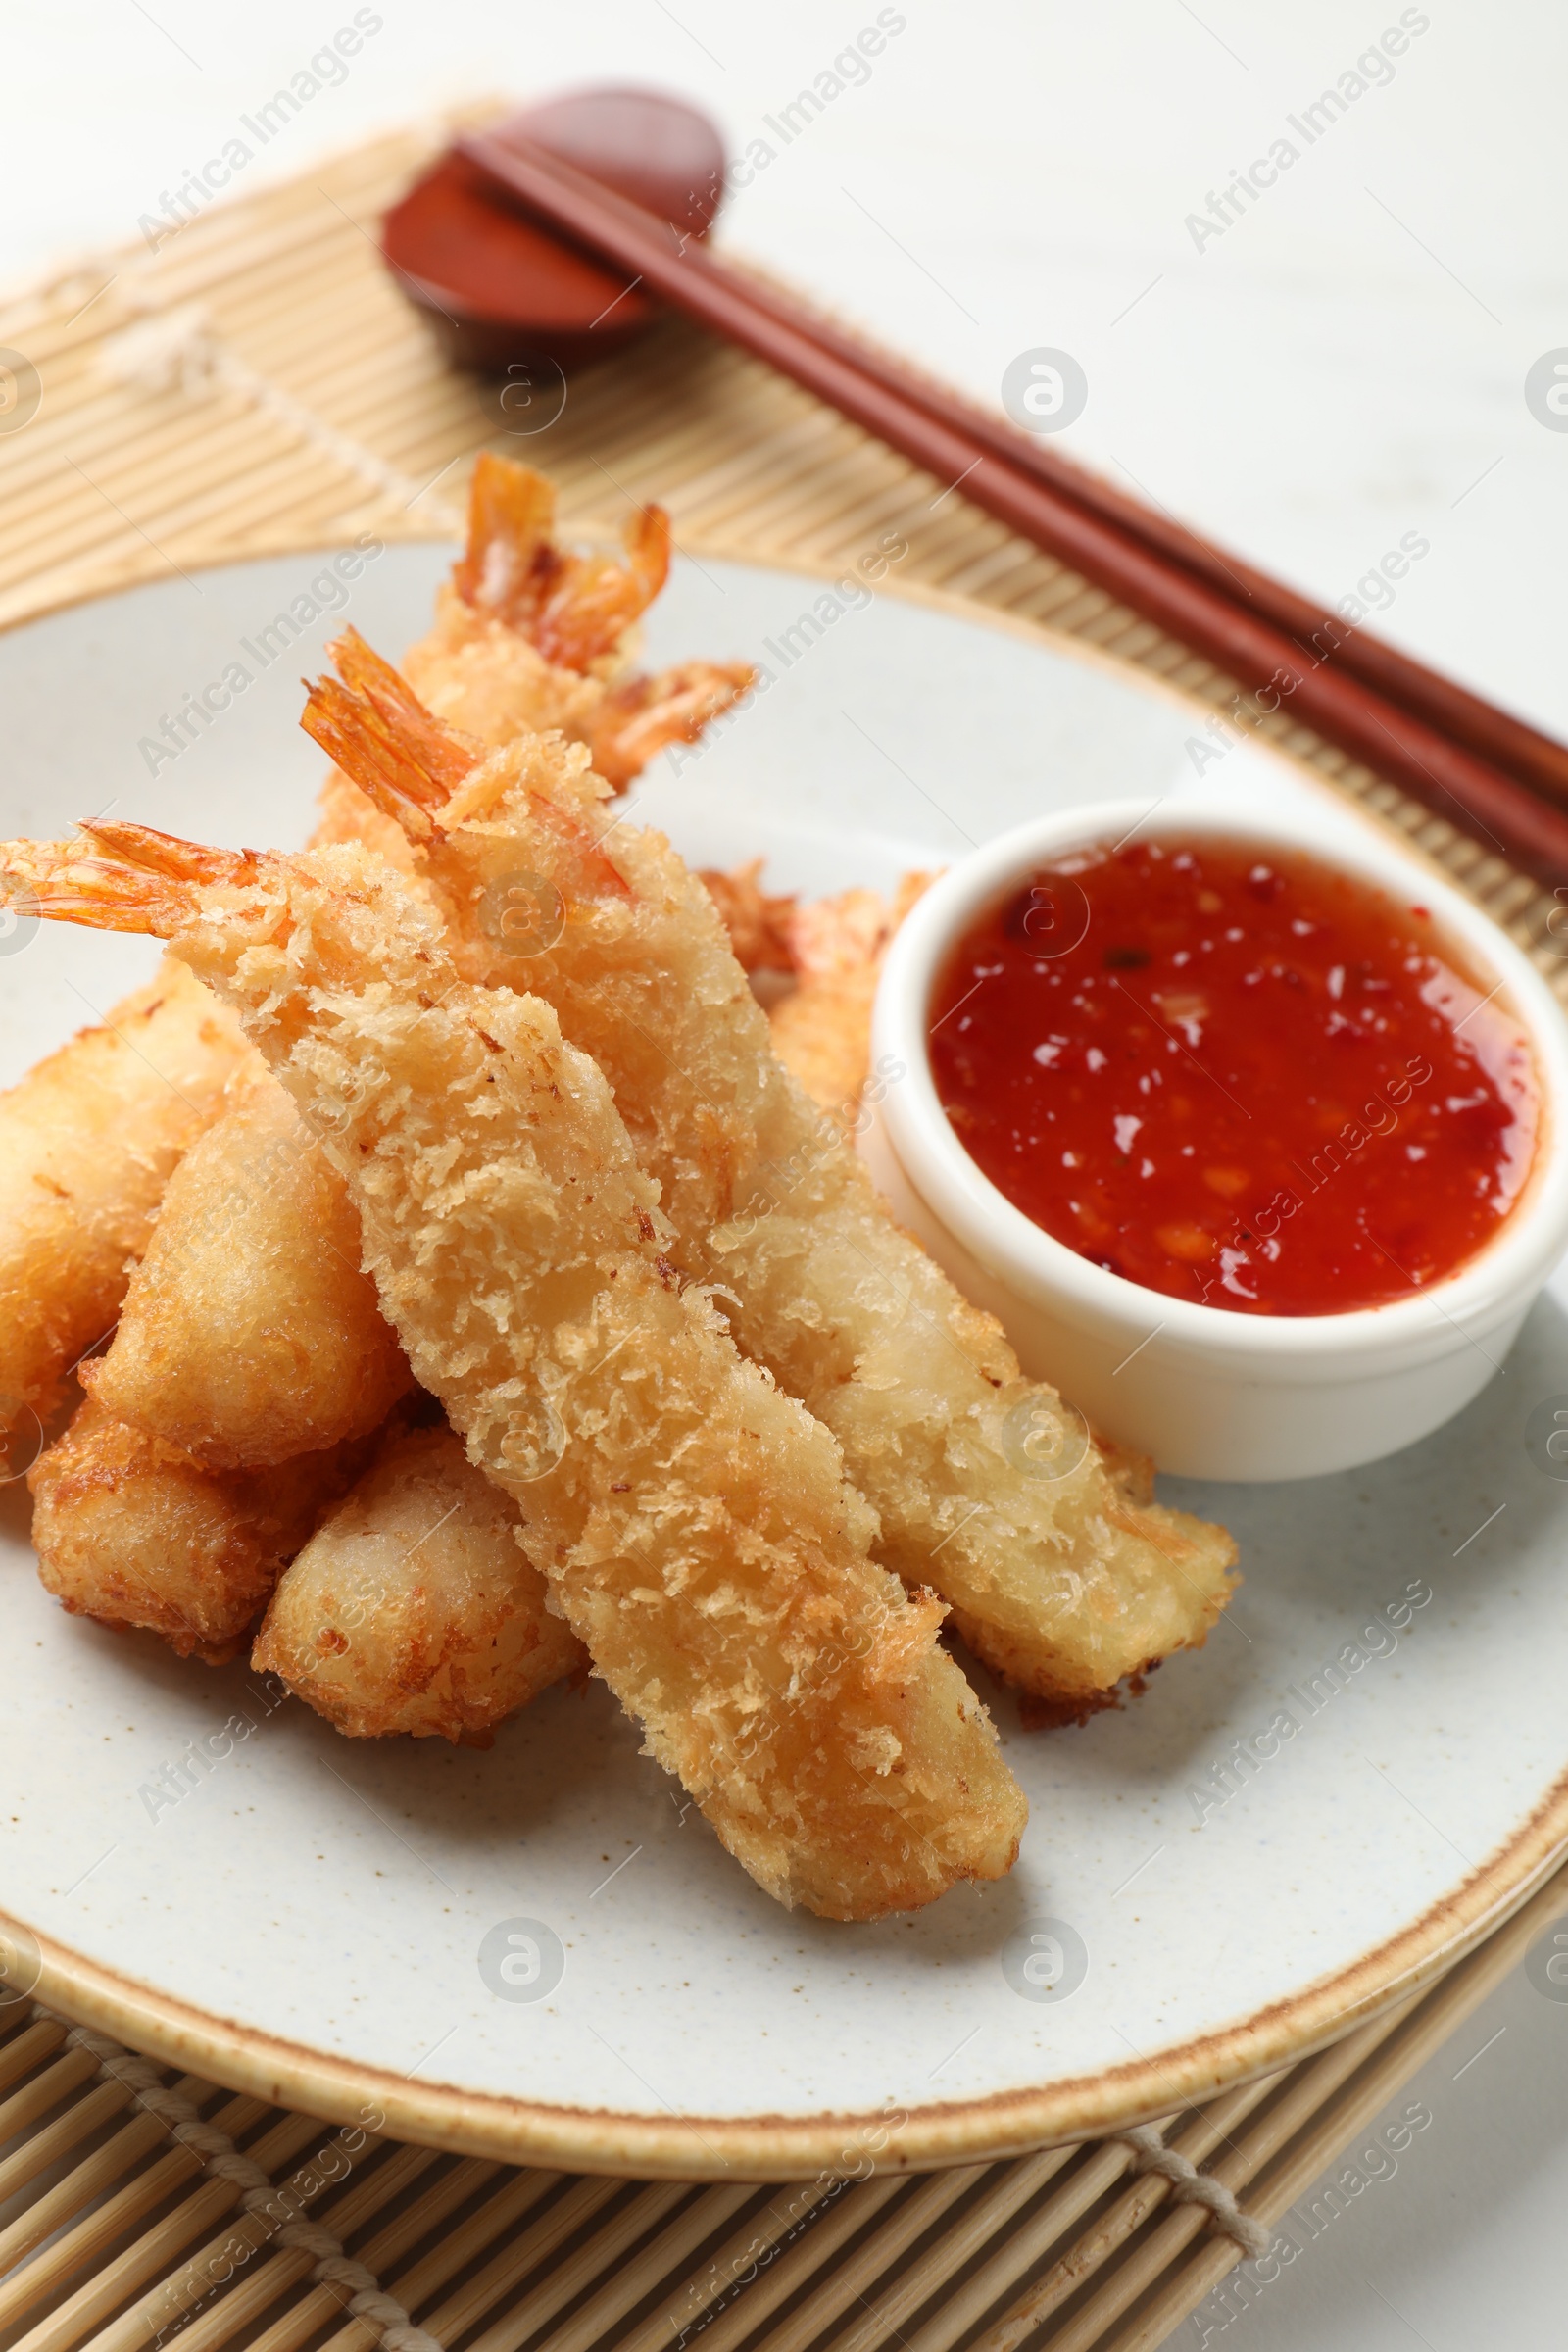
{"type": "Point", "coordinates": [1235, 1075]}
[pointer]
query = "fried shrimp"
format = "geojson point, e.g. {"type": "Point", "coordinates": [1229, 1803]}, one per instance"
{"type": "Point", "coordinates": [823, 1030]}
{"type": "Point", "coordinates": [986, 1486]}
{"type": "Point", "coordinates": [693, 1521]}
{"type": "Point", "coordinates": [530, 636]}
{"type": "Point", "coordinates": [87, 1142]}
{"type": "Point", "coordinates": [249, 1334]}
{"type": "Point", "coordinates": [413, 1608]}
{"type": "Point", "coordinates": [136, 1533]}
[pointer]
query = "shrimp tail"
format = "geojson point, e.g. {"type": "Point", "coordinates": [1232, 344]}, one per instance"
{"type": "Point", "coordinates": [639, 717]}
{"type": "Point", "coordinates": [646, 539]}
{"type": "Point", "coordinates": [231, 916]}
{"type": "Point", "coordinates": [61, 880]}
{"type": "Point", "coordinates": [175, 860]}
{"type": "Point", "coordinates": [573, 609]}
{"type": "Point", "coordinates": [512, 518]}
{"type": "Point", "coordinates": [597, 600]}
{"type": "Point", "coordinates": [381, 735]}
{"type": "Point", "coordinates": [411, 763]}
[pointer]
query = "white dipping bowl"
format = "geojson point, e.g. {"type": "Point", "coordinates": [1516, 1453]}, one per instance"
{"type": "Point", "coordinates": [1206, 1393]}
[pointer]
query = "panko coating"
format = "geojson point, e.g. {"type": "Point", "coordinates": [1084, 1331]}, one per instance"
{"type": "Point", "coordinates": [693, 1521]}
{"type": "Point", "coordinates": [528, 635]}
{"type": "Point", "coordinates": [986, 1486]}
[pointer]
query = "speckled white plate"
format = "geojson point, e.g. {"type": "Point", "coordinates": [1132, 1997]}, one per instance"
{"type": "Point", "coordinates": [541, 1953]}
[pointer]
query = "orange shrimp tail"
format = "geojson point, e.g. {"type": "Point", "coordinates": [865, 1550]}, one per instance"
{"type": "Point", "coordinates": [511, 522]}
{"type": "Point", "coordinates": [381, 735]}
{"type": "Point", "coordinates": [64, 882]}
{"type": "Point", "coordinates": [639, 717]}
{"type": "Point", "coordinates": [597, 600]}
{"type": "Point", "coordinates": [177, 860]}
{"type": "Point", "coordinates": [572, 608]}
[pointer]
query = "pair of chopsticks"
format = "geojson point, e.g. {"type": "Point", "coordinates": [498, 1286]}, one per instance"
{"type": "Point", "coordinates": [1484, 770]}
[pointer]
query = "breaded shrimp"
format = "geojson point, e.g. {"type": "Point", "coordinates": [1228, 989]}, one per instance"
{"type": "Point", "coordinates": [87, 1142]}
{"type": "Point", "coordinates": [530, 636]}
{"type": "Point", "coordinates": [986, 1486]}
{"type": "Point", "coordinates": [249, 1334]}
{"type": "Point", "coordinates": [823, 1030]}
{"type": "Point", "coordinates": [136, 1533]}
{"type": "Point", "coordinates": [413, 1608]}
{"type": "Point", "coordinates": [693, 1521]}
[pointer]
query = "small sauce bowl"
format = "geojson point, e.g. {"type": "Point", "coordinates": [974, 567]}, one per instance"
{"type": "Point", "coordinates": [1208, 1393]}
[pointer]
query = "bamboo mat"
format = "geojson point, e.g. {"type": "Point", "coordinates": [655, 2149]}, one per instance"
{"type": "Point", "coordinates": [319, 407]}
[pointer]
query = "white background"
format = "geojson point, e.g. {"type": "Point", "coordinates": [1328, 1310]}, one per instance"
{"type": "Point", "coordinates": [1343, 364]}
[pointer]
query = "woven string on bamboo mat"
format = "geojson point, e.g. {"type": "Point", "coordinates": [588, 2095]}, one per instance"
{"type": "Point", "coordinates": [257, 385]}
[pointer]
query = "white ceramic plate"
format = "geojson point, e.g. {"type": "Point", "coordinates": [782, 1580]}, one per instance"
{"type": "Point", "coordinates": [309, 1919]}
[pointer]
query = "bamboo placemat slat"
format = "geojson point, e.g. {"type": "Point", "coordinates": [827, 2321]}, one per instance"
{"type": "Point", "coordinates": [110, 2232]}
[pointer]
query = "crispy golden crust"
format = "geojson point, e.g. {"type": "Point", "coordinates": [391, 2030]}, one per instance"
{"type": "Point", "coordinates": [249, 1334]}
{"type": "Point", "coordinates": [136, 1533]}
{"type": "Point", "coordinates": [493, 684]}
{"type": "Point", "coordinates": [693, 1522]}
{"type": "Point", "coordinates": [87, 1141]}
{"type": "Point", "coordinates": [414, 1606]}
{"type": "Point", "coordinates": [481, 675]}
{"type": "Point", "coordinates": [978, 1477]}
{"type": "Point", "coordinates": [345, 814]}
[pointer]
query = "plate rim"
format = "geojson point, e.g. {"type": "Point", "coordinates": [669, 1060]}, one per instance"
{"type": "Point", "coordinates": [769, 2148]}
{"type": "Point", "coordinates": [765, 2149]}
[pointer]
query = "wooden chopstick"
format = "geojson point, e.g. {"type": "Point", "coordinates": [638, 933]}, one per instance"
{"type": "Point", "coordinates": [1448, 777]}
{"type": "Point", "coordinates": [1507, 742]}
{"type": "Point", "coordinates": [1497, 735]}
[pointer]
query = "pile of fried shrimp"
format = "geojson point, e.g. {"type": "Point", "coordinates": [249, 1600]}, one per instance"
{"type": "Point", "coordinates": [495, 1295]}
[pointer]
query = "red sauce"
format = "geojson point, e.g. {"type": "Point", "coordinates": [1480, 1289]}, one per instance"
{"type": "Point", "coordinates": [1235, 1076]}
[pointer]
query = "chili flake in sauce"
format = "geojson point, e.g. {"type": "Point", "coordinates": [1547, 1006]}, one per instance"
{"type": "Point", "coordinates": [1235, 1075]}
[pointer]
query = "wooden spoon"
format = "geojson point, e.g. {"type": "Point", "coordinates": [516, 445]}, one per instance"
{"type": "Point", "coordinates": [500, 289]}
